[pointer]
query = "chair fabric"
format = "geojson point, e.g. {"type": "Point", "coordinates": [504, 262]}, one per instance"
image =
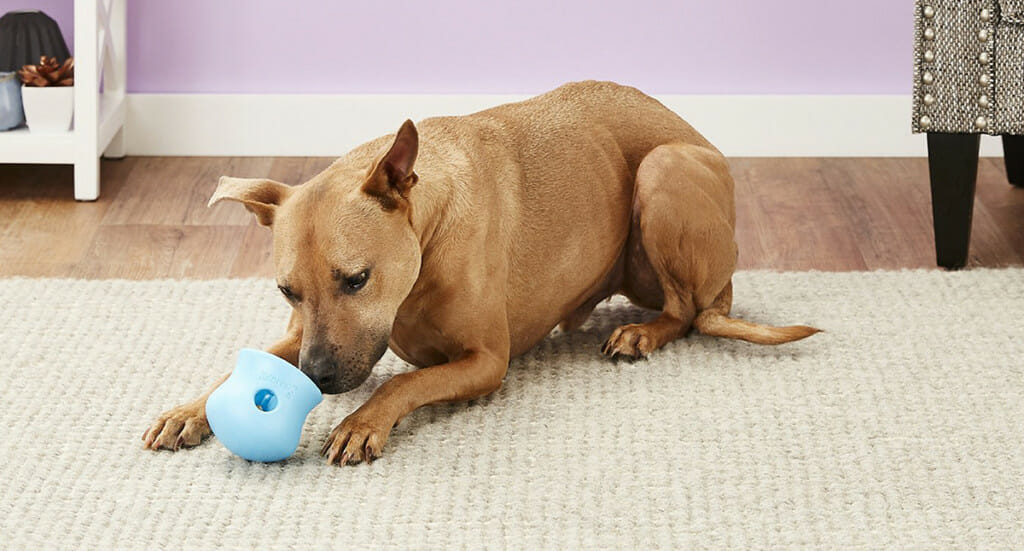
{"type": "Point", "coordinates": [969, 66]}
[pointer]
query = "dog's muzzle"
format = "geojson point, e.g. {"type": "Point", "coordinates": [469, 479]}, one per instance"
{"type": "Point", "coordinates": [329, 373]}
{"type": "Point", "coordinates": [331, 378]}
{"type": "Point", "coordinates": [333, 375]}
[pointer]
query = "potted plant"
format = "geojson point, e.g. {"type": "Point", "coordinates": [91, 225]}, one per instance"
{"type": "Point", "coordinates": [48, 94]}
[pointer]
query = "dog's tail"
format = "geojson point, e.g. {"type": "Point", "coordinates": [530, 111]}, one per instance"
{"type": "Point", "coordinates": [715, 324]}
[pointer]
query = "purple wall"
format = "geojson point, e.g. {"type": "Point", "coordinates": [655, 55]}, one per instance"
{"type": "Point", "coordinates": [524, 46]}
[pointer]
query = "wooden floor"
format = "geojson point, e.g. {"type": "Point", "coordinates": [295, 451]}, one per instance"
{"type": "Point", "coordinates": [792, 214]}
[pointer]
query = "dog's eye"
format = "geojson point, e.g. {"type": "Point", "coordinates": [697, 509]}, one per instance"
{"type": "Point", "coordinates": [287, 292]}
{"type": "Point", "coordinates": [356, 282]}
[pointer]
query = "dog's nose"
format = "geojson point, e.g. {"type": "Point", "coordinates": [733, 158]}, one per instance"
{"type": "Point", "coordinates": [332, 374]}
{"type": "Point", "coordinates": [325, 383]}
{"type": "Point", "coordinates": [322, 370]}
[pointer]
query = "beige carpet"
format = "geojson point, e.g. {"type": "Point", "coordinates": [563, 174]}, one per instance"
{"type": "Point", "coordinates": [902, 426]}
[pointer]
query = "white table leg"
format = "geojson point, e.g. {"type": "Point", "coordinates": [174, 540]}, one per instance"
{"type": "Point", "coordinates": [87, 177]}
{"type": "Point", "coordinates": [115, 69]}
{"type": "Point", "coordinates": [87, 100]}
{"type": "Point", "coordinates": [115, 150]}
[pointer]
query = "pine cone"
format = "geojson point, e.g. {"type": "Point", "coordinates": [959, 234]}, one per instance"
{"type": "Point", "coordinates": [49, 73]}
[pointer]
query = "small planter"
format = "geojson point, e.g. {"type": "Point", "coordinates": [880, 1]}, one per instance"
{"type": "Point", "coordinates": [48, 110]}
{"type": "Point", "coordinates": [11, 114]}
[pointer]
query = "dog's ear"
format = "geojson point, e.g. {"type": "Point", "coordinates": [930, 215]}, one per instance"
{"type": "Point", "coordinates": [259, 195]}
{"type": "Point", "coordinates": [392, 178]}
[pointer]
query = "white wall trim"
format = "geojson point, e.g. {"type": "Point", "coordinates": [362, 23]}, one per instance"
{"type": "Point", "coordinates": [330, 125]}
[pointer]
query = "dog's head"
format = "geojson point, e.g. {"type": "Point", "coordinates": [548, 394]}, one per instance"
{"type": "Point", "coordinates": [345, 254]}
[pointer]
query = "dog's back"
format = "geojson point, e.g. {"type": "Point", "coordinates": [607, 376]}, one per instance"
{"type": "Point", "coordinates": [556, 172]}
{"type": "Point", "coordinates": [635, 121]}
{"type": "Point", "coordinates": [551, 182]}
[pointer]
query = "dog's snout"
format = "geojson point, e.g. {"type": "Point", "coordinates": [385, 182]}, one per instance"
{"type": "Point", "coordinates": [329, 374]}
{"type": "Point", "coordinates": [321, 369]}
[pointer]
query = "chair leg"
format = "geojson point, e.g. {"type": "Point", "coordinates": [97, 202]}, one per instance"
{"type": "Point", "coordinates": [953, 169]}
{"type": "Point", "coordinates": [1013, 155]}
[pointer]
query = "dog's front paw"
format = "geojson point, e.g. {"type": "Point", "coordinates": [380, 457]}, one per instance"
{"type": "Point", "coordinates": [360, 437]}
{"type": "Point", "coordinates": [184, 426]}
{"type": "Point", "coordinates": [630, 340]}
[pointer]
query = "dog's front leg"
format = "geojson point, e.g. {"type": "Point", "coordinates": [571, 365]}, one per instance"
{"type": "Point", "coordinates": [362, 435]}
{"type": "Point", "coordinates": [186, 425]}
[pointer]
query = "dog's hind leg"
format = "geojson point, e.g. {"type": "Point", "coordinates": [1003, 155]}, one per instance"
{"type": "Point", "coordinates": [681, 254]}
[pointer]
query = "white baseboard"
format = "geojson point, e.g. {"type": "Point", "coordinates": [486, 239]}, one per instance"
{"type": "Point", "coordinates": [330, 125]}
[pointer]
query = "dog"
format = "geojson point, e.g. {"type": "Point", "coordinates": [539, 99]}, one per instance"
{"type": "Point", "coordinates": [462, 242]}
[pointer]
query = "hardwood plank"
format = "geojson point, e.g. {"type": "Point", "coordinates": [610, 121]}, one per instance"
{"type": "Point", "coordinates": [43, 229]}
{"type": "Point", "coordinates": [154, 196]}
{"type": "Point", "coordinates": [748, 231]}
{"type": "Point", "coordinates": [159, 251]}
{"type": "Point", "coordinates": [316, 165]}
{"type": "Point", "coordinates": [990, 246]}
{"type": "Point", "coordinates": [1003, 202]}
{"type": "Point", "coordinates": [798, 219]}
{"type": "Point", "coordinates": [198, 213]}
{"type": "Point", "coordinates": [297, 170]}
{"type": "Point", "coordinates": [209, 252]}
{"type": "Point", "coordinates": [792, 214]}
{"type": "Point", "coordinates": [993, 188]}
{"type": "Point", "coordinates": [21, 267]}
{"type": "Point", "coordinates": [886, 207]}
{"type": "Point", "coordinates": [254, 257]}
{"type": "Point", "coordinates": [1009, 220]}
{"type": "Point", "coordinates": [175, 190]}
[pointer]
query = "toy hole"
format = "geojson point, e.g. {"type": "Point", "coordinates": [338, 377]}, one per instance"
{"type": "Point", "coordinates": [266, 400]}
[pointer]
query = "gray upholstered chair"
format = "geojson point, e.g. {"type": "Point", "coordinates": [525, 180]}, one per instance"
{"type": "Point", "coordinates": [968, 81]}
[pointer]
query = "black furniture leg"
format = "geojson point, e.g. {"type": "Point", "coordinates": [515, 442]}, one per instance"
{"type": "Point", "coordinates": [953, 169]}
{"type": "Point", "coordinates": [1013, 154]}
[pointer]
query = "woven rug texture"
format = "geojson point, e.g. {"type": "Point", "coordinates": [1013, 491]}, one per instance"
{"type": "Point", "coordinates": [900, 426]}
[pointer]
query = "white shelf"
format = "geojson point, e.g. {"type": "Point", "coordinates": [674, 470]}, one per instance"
{"type": "Point", "coordinates": [99, 117]}
{"type": "Point", "coordinates": [23, 146]}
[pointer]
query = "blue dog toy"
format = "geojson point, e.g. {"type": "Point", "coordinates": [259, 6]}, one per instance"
{"type": "Point", "coordinates": [258, 412]}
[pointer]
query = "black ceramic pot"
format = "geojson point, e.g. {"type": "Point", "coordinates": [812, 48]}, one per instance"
{"type": "Point", "coordinates": [27, 35]}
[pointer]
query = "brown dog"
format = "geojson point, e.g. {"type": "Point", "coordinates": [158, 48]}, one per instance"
{"type": "Point", "coordinates": [516, 219]}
